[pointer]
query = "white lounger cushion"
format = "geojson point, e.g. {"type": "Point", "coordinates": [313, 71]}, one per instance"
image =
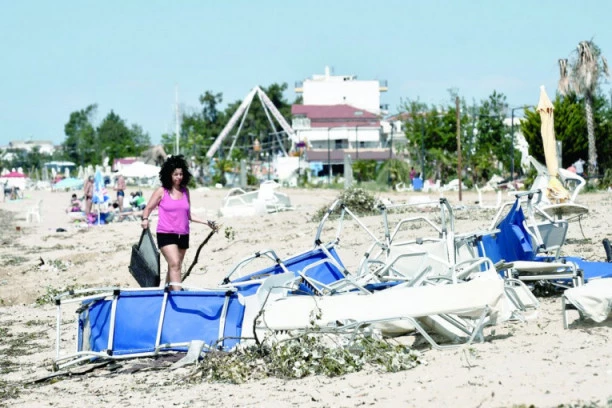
{"type": "Point", "coordinates": [594, 299]}
{"type": "Point", "coordinates": [466, 299]}
{"type": "Point", "coordinates": [542, 267]}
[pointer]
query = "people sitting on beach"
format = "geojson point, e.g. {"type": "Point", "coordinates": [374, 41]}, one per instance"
{"type": "Point", "coordinates": [75, 204]}
{"type": "Point", "coordinates": [75, 211]}
{"type": "Point", "coordinates": [12, 192]}
{"type": "Point", "coordinates": [137, 201]}
{"type": "Point", "coordinates": [117, 214]}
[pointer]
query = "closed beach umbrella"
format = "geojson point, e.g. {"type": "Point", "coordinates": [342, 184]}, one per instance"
{"type": "Point", "coordinates": [546, 111]}
{"type": "Point", "coordinates": [555, 191]}
{"type": "Point", "coordinates": [99, 194]}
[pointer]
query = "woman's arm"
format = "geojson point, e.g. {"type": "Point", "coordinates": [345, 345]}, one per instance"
{"type": "Point", "coordinates": [210, 224]}
{"type": "Point", "coordinates": [151, 205]}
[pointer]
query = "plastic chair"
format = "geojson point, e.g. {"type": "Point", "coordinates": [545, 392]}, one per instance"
{"type": "Point", "coordinates": [34, 213]}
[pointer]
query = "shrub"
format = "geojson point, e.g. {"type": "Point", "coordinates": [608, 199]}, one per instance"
{"type": "Point", "coordinates": [358, 200]}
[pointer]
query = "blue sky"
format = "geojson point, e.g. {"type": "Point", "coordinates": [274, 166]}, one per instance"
{"type": "Point", "coordinates": [129, 56]}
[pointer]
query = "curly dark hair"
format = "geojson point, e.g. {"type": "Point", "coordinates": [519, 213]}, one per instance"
{"type": "Point", "coordinates": [172, 163]}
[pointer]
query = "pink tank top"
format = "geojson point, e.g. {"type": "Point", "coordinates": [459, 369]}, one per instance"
{"type": "Point", "coordinates": [173, 215]}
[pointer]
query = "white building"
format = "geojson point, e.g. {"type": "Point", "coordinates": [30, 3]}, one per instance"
{"type": "Point", "coordinates": [330, 89]}
{"type": "Point", "coordinates": [44, 146]}
{"type": "Point", "coordinates": [340, 112]}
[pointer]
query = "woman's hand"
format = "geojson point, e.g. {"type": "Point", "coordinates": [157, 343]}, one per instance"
{"type": "Point", "coordinates": [213, 225]}
{"type": "Point", "coordinates": [144, 223]}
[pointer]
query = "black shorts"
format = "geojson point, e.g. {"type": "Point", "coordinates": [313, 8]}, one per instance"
{"type": "Point", "coordinates": [163, 239]}
{"type": "Point", "coordinates": [120, 193]}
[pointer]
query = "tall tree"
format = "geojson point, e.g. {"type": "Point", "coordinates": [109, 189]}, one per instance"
{"type": "Point", "coordinates": [582, 76]}
{"type": "Point", "coordinates": [571, 129]}
{"type": "Point", "coordinates": [202, 128]}
{"type": "Point", "coordinates": [79, 145]}
{"type": "Point", "coordinates": [116, 140]}
{"type": "Point", "coordinates": [493, 139]}
{"type": "Point", "coordinates": [140, 137]}
{"type": "Point", "coordinates": [256, 124]}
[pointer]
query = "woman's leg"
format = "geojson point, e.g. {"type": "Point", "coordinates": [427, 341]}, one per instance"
{"type": "Point", "coordinates": [174, 257]}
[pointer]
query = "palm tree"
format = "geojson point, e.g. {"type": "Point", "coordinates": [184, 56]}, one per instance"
{"type": "Point", "coordinates": [582, 78]}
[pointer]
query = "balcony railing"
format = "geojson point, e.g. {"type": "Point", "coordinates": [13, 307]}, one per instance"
{"type": "Point", "coordinates": [300, 123]}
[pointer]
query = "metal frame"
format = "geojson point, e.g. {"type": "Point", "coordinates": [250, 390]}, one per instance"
{"type": "Point", "coordinates": [114, 293]}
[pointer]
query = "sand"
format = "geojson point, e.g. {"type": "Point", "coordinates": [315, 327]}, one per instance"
{"type": "Point", "coordinates": [535, 362]}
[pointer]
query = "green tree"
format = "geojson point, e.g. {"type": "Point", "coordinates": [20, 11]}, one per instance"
{"type": "Point", "coordinates": [603, 129]}
{"type": "Point", "coordinates": [256, 124]}
{"type": "Point", "coordinates": [364, 170]}
{"type": "Point", "coordinates": [492, 136]}
{"type": "Point", "coordinates": [392, 172]}
{"type": "Point", "coordinates": [36, 159]}
{"type": "Point", "coordinates": [414, 129]}
{"type": "Point", "coordinates": [202, 128]}
{"type": "Point", "coordinates": [432, 136]}
{"type": "Point", "coordinates": [115, 140]}
{"type": "Point", "coordinates": [571, 129]}
{"type": "Point", "coordinates": [79, 144]}
{"type": "Point", "coordinates": [140, 137]}
{"type": "Point", "coordinates": [582, 76]}
{"type": "Point", "coordinates": [168, 142]}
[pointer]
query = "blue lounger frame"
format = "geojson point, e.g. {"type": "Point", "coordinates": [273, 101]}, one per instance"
{"type": "Point", "coordinates": [146, 322]}
{"type": "Point", "coordinates": [317, 267]}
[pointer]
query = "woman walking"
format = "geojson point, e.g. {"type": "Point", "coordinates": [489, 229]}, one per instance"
{"type": "Point", "coordinates": [174, 214]}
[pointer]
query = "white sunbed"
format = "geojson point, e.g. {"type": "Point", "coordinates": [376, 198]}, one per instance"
{"type": "Point", "coordinates": [592, 300]}
{"type": "Point", "coordinates": [479, 301]}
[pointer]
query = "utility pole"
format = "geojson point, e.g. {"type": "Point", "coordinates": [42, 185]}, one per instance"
{"type": "Point", "coordinates": [329, 170]}
{"type": "Point", "coordinates": [356, 144]}
{"type": "Point", "coordinates": [458, 144]}
{"type": "Point", "coordinates": [423, 147]}
{"type": "Point", "coordinates": [176, 131]}
{"type": "Point", "coordinates": [390, 152]}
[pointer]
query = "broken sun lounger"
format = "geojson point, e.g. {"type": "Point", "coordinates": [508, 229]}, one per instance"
{"type": "Point", "coordinates": [126, 323]}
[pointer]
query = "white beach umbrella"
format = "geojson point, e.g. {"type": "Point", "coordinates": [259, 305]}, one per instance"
{"type": "Point", "coordinates": [547, 116]}
{"type": "Point", "coordinates": [555, 190]}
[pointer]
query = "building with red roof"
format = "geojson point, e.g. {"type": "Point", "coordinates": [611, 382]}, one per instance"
{"type": "Point", "coordinates": [342, 116]}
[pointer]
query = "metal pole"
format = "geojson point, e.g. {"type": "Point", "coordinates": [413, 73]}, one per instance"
{"type": "Point", "coordinates": [512, 145]}
{"type": "Point", "coordinates": [176, 148]}
{"type": "Point", "coordinates": [422, 148]}
{"type": "Point", "coordinates": [390, 153]}
{"type": "Point", "coordinates": [328, 160]}
{"type": "Point", "coordinates": [356, 144]}
{"type": "Point", "coordinates": [459, 170]}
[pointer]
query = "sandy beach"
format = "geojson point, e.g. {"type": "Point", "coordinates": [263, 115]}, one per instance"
{"type": "Point", "coordinates": [535, 363]}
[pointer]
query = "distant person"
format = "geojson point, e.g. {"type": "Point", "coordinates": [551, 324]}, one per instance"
{"type": "Point", "coordinates": [579, 166]}
{"type": "Point", "coordinates": [137, 201]}
{"type": "Point", "coordinates": [120, 188]}
{"type": "Point", "coordinates": [6, 190]}
{"type": "Point", "coordinates": [572, 169]}
{"type": "Point", "coordinates": [88, 190]}
{"type": "Point", "coordinates": [75, 204]}
{"type": "Point", "coordinates": [413, 174]}
{"type": "Point", "coordinates": [174, 214]}
{"type": "Point", "coordinates": [119, 215]}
